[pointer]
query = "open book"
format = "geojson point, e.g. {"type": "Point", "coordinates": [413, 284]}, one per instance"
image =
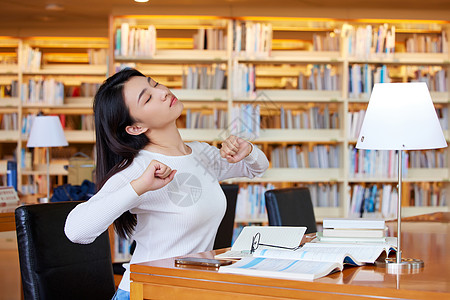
{"type": "Point", "coordinates": [313, 260]}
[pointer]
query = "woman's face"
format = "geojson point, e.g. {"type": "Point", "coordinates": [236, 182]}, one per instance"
{"type": "Point", "coordinates": [151, 104]}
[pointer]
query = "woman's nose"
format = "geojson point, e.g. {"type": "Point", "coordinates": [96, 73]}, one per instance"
{"type": "Point", "coordinates": [164, 94]}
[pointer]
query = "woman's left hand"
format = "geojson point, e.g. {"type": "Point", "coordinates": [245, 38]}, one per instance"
{"type": "Point", "coordinates": [234, 149]}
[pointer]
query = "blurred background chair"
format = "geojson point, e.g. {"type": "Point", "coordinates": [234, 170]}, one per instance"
{"type": "Point", "coordinates": [291, 207]}
{"type": "Point", "coordinates": [225, 232]}
{"type": "Point", "coordinates": [118, 267]}
{"type": "Point", "coordinates": [51, 266]}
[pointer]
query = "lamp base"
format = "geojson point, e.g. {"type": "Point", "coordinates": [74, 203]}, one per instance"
{"type": "Point", "coordinates": [43, 200]}
{"type": "Point", "coordinates": [406, 265]}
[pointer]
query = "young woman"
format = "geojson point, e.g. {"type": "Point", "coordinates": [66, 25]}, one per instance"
{"type": "Point", "coordinates": [158, 190]}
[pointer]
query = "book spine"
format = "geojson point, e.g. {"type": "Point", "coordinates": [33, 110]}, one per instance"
{"type": "Point", "coordinates": [11, 174]}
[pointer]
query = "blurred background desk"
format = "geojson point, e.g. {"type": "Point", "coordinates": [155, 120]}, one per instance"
{"type": "Point", "coordinates": [9, 258]}
{"type": "Point", "coordinates": [424, 237]}
{"type": "Point", "coordinates": [7, 221]}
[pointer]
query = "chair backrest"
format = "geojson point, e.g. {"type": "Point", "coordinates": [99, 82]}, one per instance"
{"type": "Point", "coordinates": [224, 235]}
{"type": "Point", "coordinates": [51, 266]}
{"type": "Point", "coordinates": [290, 207]}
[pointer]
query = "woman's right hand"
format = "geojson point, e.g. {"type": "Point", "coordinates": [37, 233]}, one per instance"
{"type": "Point", "coordinates": [154, 177]}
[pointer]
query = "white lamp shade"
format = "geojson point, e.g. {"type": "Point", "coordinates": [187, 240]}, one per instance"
{"type": "Point", "coordinates": [401, 116]}
{"type": "Point", "coordinates": [46, 131]}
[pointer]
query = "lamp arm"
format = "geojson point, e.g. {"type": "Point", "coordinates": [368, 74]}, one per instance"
{"type": "Point", "coordinates": [399, 205]}
{"type": "Point", "coordinates": [48, 174]}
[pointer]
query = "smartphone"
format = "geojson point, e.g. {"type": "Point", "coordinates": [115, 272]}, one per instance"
{"type": "Point", "coordinates": [199, 261]}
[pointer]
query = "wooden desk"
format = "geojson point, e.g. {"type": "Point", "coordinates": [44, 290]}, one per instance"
{"type": "Point", "coordinates": [7, 221]}
{"type": "Point", "coordinates": [428, 241]}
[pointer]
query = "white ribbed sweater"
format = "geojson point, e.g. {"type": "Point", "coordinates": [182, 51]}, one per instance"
{"type": "Point", "coordinates": [178, 219]}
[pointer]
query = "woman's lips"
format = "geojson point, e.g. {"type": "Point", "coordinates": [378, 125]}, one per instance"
{"type": "Point", "coordinates": [172, 102]}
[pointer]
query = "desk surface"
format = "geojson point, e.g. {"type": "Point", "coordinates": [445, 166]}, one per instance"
{"type": "Point", "coordinates": [424, 240]}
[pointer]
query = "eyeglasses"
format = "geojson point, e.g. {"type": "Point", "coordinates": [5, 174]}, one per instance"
{"type": "Point", "coordinates": [256, 244]}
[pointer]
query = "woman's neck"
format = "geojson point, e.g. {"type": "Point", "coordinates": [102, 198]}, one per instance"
{"type": "Point", "coordinates": [167, 141]}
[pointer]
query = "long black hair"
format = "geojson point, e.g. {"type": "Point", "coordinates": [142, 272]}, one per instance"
{"type": "Point", "coordinates": [115, 148]}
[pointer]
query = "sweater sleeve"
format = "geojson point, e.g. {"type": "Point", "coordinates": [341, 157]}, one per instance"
{"type": "Point", "coordinates": [255, 164]}
{"type": "Point", "coordinates": [90, 219]}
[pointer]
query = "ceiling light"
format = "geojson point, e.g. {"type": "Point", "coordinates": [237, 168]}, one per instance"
{"type": "Point", "coordinates": [141, 1]}
{"type": "Point", "coordinates": [54, 7]}
{"type": "Point", "coordinates": [44, 18]}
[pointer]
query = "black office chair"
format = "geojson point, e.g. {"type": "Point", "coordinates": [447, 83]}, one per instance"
{"type": "Point", "coordinates": [224, 235]}
{"type": "Point", "coordinates": [118, 268]}
{"type": "Point", "coordinates": [51, 266]}
{"type": "Point", "coordinates": [291, 207]}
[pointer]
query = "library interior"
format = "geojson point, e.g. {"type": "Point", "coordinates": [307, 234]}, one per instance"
{"type": "Point", "coordinates": [294, 78]}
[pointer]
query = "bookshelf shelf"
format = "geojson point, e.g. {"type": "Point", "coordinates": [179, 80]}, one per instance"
{"type": "Point", "coordinates": [300, 135]}
{"type": "Point", "coordinates": [329, 57]}
{"type": "Point", "coordinates": [72, 105]}
{"type": "Point", "coordinates": [9, 69]}
{"type": "Point", "coordinates": [179, 56]}
{"type": "Point", "coordinates": [42, 171]}
{"type": "Point", "coordinates": [319, 212]}
{"type": "Point", "coordinates": [99, 70]}
{"type": "Point", "coordinates": [206, 135]}
{"type": "Point", "coordinates": [440, 97]}
{"type": "Point", "coordinates": [437, 97]}
{"type": "Point", "coordinates": [408, 211]}
{"type": "Point", "coordinates": [57, 109]}
{"type": "Point", "coordinates": [80, 136]}
{"type": "Point", "coordinates": [8, 109]}
{"type": "Point", "coordinates": [297, 175]}
{"type": "Point", "coordinates": [405, 59]}
{"type": "Point", "coordinates": [201, 95]}
{"type": "Point", "coordinates": [414, 175]}
{"type": "Point", "coordinates": [327, 212]}
{"type": "Point", "coordinates": [10, 102]}
{"type": "Point", "coordinates": [427, 174]}
{"type": "Point", "coordinates": [68, 42]}
{"type": "Point", "coordinates": [7, 79]}
{"type": "Point", "coordinates": [9, 135]}
{"type": "Point", "coordinates": [268, 96]}
{"type": "Point", "coordinates": [75, 136]}
{"type": "Point", "coordinates": [372, 180]}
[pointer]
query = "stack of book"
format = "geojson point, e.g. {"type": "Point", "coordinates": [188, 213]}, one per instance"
{"type": "Point", "coordinates": [9, 200]}
{"type": "Point", "coordinates": [353, 230]}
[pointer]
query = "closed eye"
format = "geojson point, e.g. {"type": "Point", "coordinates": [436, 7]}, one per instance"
{"type": "Point", "coordinates": [156, 84]}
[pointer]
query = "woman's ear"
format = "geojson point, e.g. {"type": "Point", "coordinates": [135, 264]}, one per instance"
{"type": "Point", "coordinates": [135, 129]}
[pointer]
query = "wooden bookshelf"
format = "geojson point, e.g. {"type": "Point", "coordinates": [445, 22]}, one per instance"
{"type": "Point", "coordinates": [73, 61]}
{"type": "Point", "coordinates": [293, 45]}
{"type": "Point", "coordinates": [290, 54]}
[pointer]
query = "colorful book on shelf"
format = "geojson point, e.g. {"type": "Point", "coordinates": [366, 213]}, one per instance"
{"type": "Point", "coordinates": [313, 260]}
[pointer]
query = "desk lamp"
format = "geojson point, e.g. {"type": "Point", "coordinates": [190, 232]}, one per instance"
{"type": "Point", "coordinates": [401, 116]}
{"type": "Point", "coordinates": [46, 131]}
